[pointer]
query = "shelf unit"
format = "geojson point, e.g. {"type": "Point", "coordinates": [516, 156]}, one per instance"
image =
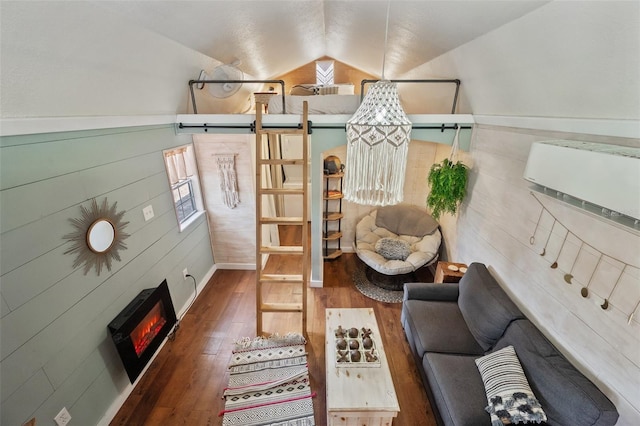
{"type": "Point", "coordinates": [332, 216]}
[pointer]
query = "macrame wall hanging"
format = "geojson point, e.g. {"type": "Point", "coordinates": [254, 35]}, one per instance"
{"type": "Point", "coordinates": [228, 179]}
{"type": "Point", "coordinates": [570, 269]}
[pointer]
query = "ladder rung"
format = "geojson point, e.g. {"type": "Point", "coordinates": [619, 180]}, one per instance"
{"type": "Point", "coordinates": [281, 278]}
{"type": "Point", "coordinates": [290, 220]}
{"type": "Point", "coordinates": [283, 191]}
{"type": "Point", "coordinates": [282, 249]}
{"type": "Point", "coordinates": [281, 307]}
{"type": "Point", "coordinates": [285, 161]}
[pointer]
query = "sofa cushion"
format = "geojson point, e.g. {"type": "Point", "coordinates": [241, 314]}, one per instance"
{"type": "Point", "coordinates": [457, 389]}
{"type": "Point", "coordinates": [509, 396]}
{"type": "Point", "coordinates": [485, 306]}
{"type": "Point", "coordinates": [439, 327]}
{"type": "Point", "coordinates": [566, 395]}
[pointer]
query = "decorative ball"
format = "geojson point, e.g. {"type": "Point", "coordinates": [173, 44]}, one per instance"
{"type": "Point", "coordinates": [353, 332]}
{"type": "Point", "coordinates": [354, 344]}
{"type": "Point", "coordinates": [332, 165]}
{"type": "Point", "coordinates": [356, 356]}
{"type": "Point", "coordinates": [341, 344]}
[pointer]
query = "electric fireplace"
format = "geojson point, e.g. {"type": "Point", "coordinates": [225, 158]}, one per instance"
{"type": "Point", "coordinates": [141, 327]}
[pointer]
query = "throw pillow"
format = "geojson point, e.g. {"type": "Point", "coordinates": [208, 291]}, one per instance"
{"type": "Point", "coordinates": [511, 400]}
{"type": "Point", "coordinates": [393, 248]}
{"type": "Point", "coordinates": [303, 90]}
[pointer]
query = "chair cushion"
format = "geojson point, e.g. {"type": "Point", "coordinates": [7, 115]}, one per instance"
{"type": "Point", "coordinates": [406, 219]}
{"type": "Point", "coordinates": [485, 306]}
{"type": "Point", "coordinates": [423, 249]}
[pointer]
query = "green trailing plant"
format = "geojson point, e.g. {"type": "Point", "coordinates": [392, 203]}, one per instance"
{"type": "Point", "coordinates": [448, 182]}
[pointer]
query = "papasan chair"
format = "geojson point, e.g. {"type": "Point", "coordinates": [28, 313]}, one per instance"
{"type": "Point", "coordinates": [394, 242]}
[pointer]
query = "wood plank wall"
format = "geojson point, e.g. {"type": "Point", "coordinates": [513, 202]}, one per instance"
{"type": "Point", "coordinates": [233, 232]}
{"type": "Point", "coordinates": [494, 226]}
{"type": "Point", "coordinates": [56, 350]}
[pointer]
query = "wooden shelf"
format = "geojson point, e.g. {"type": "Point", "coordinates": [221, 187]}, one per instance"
{"type": "Point", "coordinates": [332, 254]}
{"type": "Point", "coordinates": [332, 235]}
{"type": "Point", "coordinates": [334, 175]}
{"type": "Point", "coordinates": [329, 216]}
{"type": "Point", "coordinates": [333, 195]}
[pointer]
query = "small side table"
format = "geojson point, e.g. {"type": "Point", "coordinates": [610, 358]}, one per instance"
{"type": "Point", "coordinates": [449, 272]}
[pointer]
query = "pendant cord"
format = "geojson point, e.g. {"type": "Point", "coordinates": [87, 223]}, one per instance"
{"type": "Point", "coordinates": [386, 33]}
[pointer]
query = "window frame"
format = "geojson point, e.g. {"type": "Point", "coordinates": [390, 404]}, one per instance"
{"type": "Point", "coordinates": [179, 204]}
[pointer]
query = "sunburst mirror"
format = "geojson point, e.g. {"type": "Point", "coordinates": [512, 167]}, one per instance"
{"type": "Point", "coordinates": [98, 236]}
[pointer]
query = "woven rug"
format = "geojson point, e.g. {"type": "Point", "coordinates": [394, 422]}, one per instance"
{"type": "Point", "coordinates": [269, 383]}
{"type": "Point", "coordinates": [372, 291]}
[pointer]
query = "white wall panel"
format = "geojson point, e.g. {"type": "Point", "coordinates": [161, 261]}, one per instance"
{"type": "Point", "coordinates": [494, 227]}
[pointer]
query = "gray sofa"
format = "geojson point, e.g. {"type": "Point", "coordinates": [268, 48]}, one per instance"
{"type": "Point", "coordinates": [449, 326]}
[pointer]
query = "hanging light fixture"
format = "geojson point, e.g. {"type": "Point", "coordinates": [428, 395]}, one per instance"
{"type": "Point", "coordinates": [378, 137]}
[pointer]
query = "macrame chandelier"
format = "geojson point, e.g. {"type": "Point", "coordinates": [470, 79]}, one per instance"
{"type": "Point", "coordinates": [378, 137]}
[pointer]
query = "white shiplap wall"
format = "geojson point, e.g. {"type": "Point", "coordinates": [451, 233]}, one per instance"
{"type": "Point", "coordinates": [494, 226]}
{"type": "Point", "coordinates": [233, 232]}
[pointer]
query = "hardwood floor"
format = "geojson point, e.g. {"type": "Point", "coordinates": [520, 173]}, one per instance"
{"type": "Point", "coordinates": [183, 385]}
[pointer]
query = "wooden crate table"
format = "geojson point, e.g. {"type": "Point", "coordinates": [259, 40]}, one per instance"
{"type": "Point", "coordinates": [358, 395]}
{"type": "Point", "coordinates": [449, 272]}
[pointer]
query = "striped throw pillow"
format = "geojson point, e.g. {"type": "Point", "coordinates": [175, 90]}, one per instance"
{"type": "Point", "coordinates": [511, 400]}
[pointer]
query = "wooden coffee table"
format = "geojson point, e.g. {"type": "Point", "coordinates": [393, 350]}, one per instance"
{"type": "Point", "coordinates": [358, 393]}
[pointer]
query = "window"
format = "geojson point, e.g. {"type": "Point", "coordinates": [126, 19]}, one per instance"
{"type": "Point", "coordinates": [184, 200]}
{"type": "Point", "coordinates": [324, 73]}
{"type": "Point", "coordinates": [185, 188]}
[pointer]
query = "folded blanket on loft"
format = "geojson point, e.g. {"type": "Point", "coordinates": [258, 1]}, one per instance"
{"type": "Point", "coordinates": [269, 383]}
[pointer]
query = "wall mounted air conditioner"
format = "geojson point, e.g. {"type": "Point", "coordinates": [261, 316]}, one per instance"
{"type": "Point", "coordinates": [606, 176]}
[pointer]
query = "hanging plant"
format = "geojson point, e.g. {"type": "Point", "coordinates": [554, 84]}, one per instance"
{"type": "Point", "coordinates": [448, 182]}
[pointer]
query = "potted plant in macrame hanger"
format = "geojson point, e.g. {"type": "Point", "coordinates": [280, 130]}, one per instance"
{"type": "Point", "coordinates": [448, 182]}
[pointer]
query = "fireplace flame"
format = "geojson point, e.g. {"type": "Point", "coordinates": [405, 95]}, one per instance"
{"type": "Point", "coordinates": [148, 329]}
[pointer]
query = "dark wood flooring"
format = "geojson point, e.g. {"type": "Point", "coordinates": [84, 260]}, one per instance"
{"type": "Point", "coordinates": [184, 384]}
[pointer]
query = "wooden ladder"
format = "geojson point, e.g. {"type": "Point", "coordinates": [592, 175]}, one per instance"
{"type": "Point", "coordinates": [301, 277]}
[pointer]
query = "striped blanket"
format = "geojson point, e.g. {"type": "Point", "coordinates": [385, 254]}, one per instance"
{"type": "Point", "coordinates": [269, 383]}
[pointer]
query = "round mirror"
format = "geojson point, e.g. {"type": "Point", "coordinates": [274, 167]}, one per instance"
{"type": "Point", "coordinates": [101, 235]}
{"type": "Point", "coordinates": [98, 236]}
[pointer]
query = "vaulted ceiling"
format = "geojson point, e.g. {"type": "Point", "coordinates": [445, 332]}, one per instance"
{"type": "Point", "coordinates": [577, 58]}
{"type": "Point", "coordinates": [273, 37]}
